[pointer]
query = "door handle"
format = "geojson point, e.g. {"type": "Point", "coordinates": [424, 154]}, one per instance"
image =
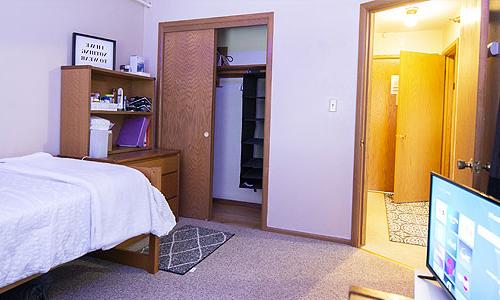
{"type": "Point", "coordinates": [475, 166]}
{"type": "Point", "coordinates": [206, 134]}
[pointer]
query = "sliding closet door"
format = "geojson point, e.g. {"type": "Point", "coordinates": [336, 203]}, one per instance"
{"type": "Point", "coordinates": [187, 96]}
{"type": "Point", "coordinates": [419, 125]}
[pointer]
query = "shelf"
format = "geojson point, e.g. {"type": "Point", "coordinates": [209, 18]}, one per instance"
{"type": "Point", "coordinates": [237, 71]}
{"type": "Point", "coordinates": [106, 72]}
{"type": "Point", "coordinates": [256, 97]}
{"type": "Point", "coordinates": [118, 112]}
{"type": "Point", "coordinates": [252, 174]}
{"type": "Point", "coordinates": [253, 119]}
{"type": "Point", "coordinates": [255, 163]}
{"type": "Point", "coordinates": [118, 149]}
{"type": "Point", "coordinates": [253, 141]}
{"type": "Point", "coordinates": [255, 186]}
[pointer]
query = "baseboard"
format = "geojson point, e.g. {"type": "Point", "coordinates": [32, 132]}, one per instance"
{"type": "Point", "coordinates": [309, 235]}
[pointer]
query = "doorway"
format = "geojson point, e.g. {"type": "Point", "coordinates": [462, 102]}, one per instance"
{"type": "Point", "coordinates": [239, 125]}
{"type": "Point", "coordinates": [409, 123]}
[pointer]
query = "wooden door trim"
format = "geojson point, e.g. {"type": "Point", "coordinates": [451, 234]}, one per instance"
{"type": "Point", "coordinates": [358, 221]}
{"type": "Point", "coordinates": [481, 147]}
{"type": "Point", "coordinates": [217, 22]}
{"type": "Point", "coordinates": [452, 49]}
{"type": "Point", "coordinates": [220, 23]}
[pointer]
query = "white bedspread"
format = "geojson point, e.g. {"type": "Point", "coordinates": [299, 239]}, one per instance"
{"type": "Point", "coordinates": [53, 210]}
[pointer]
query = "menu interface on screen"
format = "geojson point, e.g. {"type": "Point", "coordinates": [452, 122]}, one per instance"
{"type": "Point", "coordinates": [464, 241]}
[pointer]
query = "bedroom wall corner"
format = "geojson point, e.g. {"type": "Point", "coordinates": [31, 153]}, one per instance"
{"type": "Point", "coordinates": [315, 57]}
{"type": "Point", "coordinates": [35, 43]}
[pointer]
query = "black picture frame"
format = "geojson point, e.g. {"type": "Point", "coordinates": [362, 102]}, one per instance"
{"type": "Point", "coordinates": [91, 37]}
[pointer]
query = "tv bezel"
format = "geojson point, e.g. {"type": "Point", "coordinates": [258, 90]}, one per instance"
{"type": "Point", "coordinates": [461, 186]}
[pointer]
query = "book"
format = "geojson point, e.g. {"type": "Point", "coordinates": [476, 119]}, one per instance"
{"type": "Point", "coordinates": [133, 132]}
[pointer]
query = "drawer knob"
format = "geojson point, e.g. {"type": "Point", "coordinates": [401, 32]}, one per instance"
{"type": "Point", "coordinates": [206, 134]}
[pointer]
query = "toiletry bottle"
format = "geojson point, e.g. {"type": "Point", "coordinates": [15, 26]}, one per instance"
{"type": "Point", "coordinates": [120, 99]}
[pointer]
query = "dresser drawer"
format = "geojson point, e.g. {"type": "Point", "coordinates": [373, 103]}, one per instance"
{"type": "Point", "coordinates": [169, 185]}
{"type": "Point", "coordinates": [167, 164]}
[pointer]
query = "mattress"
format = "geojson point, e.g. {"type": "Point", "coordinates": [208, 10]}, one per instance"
{"type": "Point", "coordinates": [54, 210]}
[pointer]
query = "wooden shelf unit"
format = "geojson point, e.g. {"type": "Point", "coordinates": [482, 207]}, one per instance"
{"type": "Point", "coordinates": [128, 113]}
{"type": "Point", "coordinates": [77, 83]}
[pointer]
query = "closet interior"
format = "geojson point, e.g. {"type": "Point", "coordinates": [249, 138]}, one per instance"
{"type": "Point", "coordinates": [239, 125]}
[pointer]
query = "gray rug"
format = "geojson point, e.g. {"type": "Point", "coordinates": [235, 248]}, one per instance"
{"type": "Point", "coordinates": [185, 247]}
{"type": "Point", "coordinates": [407, 221]}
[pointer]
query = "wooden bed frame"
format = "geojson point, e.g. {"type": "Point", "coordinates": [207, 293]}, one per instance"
{"type": "Point", "coordinates": [120, 254]}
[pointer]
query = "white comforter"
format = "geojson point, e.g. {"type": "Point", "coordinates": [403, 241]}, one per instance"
{"type": "Point", "coordinates": [53, 210]}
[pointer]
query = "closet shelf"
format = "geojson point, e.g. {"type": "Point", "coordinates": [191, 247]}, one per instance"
{"type": "Point", "coordinates": [253, 119]}
{"type": "Point", "coordinates": [255, 97]}
{"type": "Point", "coordinates": [237, 71]}
{"type": "Point", "coordinates": [255, 163]}
{"type": "Point", "coordinates": [252, 174]}
{"type": "Point", "coordinates": [253, 141]}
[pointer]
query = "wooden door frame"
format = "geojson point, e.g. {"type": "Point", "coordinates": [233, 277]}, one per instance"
{"type": "Point", "coordinates": [366, 20]}
{"type": "Point", "coordinates": [451, 51]}
{"type": "Point", "coordinates": [221, 23]}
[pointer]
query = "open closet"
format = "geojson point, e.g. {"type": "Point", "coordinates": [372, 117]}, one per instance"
{"type": "Point", "coordinates": [239, 124]}
{"type": "Point", "coordinates": [214, 105]}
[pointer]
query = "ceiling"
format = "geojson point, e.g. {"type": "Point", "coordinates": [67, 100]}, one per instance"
{"type": "Point", "coordinates": [432, 15]}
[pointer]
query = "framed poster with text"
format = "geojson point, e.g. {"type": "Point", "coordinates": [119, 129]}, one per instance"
{"type": "Point", "coordinates": [94, 51]}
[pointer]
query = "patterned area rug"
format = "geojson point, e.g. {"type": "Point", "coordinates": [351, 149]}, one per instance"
{"type": "Point", "coordinates": [185, 247]}
{"type": "Point", "coordinates": [407, 221]}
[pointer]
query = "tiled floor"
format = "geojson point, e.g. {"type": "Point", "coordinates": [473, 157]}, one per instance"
{"type": "Point", "coordinates": [377, 237]}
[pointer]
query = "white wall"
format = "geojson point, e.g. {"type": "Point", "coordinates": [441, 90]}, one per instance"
{"type": "Point", "coordinates": [315, 58]}
{"type": "Point", "coordinates": [391, 43]}
{"type": "Point", "coordinates": [426, 41]}
{"type": "Point", "coordinates": [451, 33]}
{"type": "Point", "coordinates": [35, 41]}
{"type": "Point", "coordinates": [247, 45]}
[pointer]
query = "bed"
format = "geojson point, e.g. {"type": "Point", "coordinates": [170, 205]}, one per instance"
{"type": "Point", "coordinates": [54, 210]}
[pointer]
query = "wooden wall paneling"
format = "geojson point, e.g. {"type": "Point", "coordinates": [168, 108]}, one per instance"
{"type": "Point", "coordinates": [419, 124]}
{"type": "Point", "coordinates": [381, 126]}
{"type": "Point", "coordinates": [75, 118]}
{"type": "Point", "coordinates": [187, 93]}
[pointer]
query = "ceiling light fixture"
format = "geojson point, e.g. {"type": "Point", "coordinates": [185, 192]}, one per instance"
{"type": "Point", "coordinates": [411, 17]}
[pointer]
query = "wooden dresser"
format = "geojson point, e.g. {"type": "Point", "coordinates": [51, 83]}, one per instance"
{"type": "Point", "coordinates": [167, 160]}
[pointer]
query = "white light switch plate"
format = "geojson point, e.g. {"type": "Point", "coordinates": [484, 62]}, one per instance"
{"type": "Point", "coordinates": [333, 105]}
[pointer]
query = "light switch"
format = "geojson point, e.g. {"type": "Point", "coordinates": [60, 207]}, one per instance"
{"type": "Point", "coordinates": [333, 105]}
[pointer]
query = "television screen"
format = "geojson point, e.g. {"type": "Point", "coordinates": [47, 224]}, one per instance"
{"type": "Point", "coordinates": [463, 249]}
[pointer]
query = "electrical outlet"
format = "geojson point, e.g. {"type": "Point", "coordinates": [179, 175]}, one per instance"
{"type": "Point", "coordinates": [333, 105]}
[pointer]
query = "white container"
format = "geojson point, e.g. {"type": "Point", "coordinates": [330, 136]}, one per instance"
{"type": "Point", "coordinates": [98, 143]}
{"type": "Point", "coordinates": [104, 106]}
{"type": "Point", "coordinates": [136, 64]}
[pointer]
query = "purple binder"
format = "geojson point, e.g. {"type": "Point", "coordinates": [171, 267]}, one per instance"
{"type": "Point", "coordinates": [133, 132]}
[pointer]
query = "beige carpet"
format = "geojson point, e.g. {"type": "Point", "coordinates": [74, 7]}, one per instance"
{"type": "Point", "coordinates": [252, 265]}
